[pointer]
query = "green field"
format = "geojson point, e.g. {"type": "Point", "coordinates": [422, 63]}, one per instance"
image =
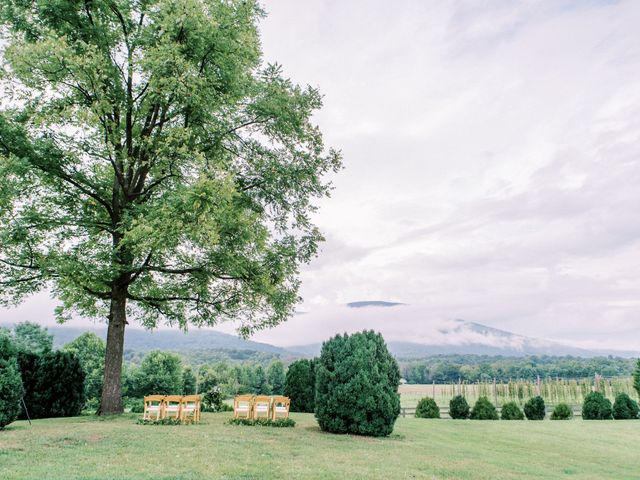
{"type": "Point", "coordinates": [118, 448]}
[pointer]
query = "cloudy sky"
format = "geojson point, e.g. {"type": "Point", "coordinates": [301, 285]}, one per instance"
{"type": "Point", "coordinates": [492, 168]}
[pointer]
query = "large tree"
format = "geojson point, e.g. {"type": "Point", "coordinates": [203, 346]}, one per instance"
{"type": "Point", "coordinates": [153, 167]}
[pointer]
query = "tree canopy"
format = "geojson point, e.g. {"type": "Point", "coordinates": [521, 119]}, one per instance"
{"type": "Point", "coordinates": [154, 167]}
{"type": "Point", "coordinates": [31, 337]}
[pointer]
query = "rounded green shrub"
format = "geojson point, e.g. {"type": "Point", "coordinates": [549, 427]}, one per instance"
{"type": "Point", "coordinates": [596, 407]}
{"type": "Point", "coordinates": [534, 409]}
{"type": "Point", "coordinates": [357, 383]}
{"type": "Point", "coordinates": [562, 411]}
{"type": "Point", "coordinates": [427, 408]}
{"type": "Point", "coordinates": [511, 411]}
{"type": "Point", "coordinates": [300, 386]}
{"type": "Point", "coordinates": [625, 408]}
{"type": "Point", "coordinates": [484, 410]}
{"type": "Point", "coordinates": [459, 408]}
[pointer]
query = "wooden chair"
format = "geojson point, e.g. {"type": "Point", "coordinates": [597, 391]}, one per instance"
{"type": "Point", "coordinates": [242, 406]}
{"type": "Point", "coordinates": [172, 406]}
{"type": "Point", "coordinates": [261, 407]}
{"type": "Point", "coordinates": [190, 408]}
{"type": "Point", "coordinates": [280, 407]}
{"type": "Point", "coordinates": [153, 407]}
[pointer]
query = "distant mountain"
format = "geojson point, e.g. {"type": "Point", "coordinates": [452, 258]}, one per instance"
{"type": "Point", "coordinates": [141, 340]}
{"type": "Point", "coordinates": [457, 337]}
{"type": "Point", "coordinates": [372, 303]}
{"type": "Point", "coordinates": [480, 340]}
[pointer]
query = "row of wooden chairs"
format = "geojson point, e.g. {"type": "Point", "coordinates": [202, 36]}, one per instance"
{"type": "Point", "coordinates": [185, 408]}
{"type": "Point", "coordinates": [261, 406]}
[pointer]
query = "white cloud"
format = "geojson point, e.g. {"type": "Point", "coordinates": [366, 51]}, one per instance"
{"type": "Point", "coordinates": [492, 155]}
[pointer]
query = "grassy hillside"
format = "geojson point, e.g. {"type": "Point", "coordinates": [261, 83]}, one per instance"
{"type": "Point", "coordinates": [91, 448]}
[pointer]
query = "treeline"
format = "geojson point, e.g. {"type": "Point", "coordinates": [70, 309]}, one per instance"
{"type": "Point", "coordinates": [202, 356]}
{"type": "Point", "coordinates": [65, 381]}
{"type": "Point", "coordinates": [483, 368]}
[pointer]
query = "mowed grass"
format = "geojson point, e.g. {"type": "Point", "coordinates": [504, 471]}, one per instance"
{"type": "Point", "coordinates": [118, 448]}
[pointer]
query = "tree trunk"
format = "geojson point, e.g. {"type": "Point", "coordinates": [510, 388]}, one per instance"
{"type": "Point", "coordinates": [111, 402]}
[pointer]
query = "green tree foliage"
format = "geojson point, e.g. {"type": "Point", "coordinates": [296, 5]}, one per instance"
{"type": "Point", "coordinates": [357, 383]}
{"type": "Point", "coordinates": [427, 408]}
{"type": "Point", "coordinates": [596, 407]}
{"type": "Point", "coordinates": [259, 384]}
{"type": "Point", "coordinates": [156, 168]}
{"type": "Point", "coordinates": [300, 385]}
{"type": "Point", "coordinates": [275, 377]}
{"type": "Point", "coordinates": [10, 382]}
{"type": "Point", "coordinates": [625, 408]}
{"type": "Point", "coordinates": [484, 368]}
{"type": "Point", "coordinates": [459, 408]}
{"type": "Point", "coordinates": [90, 350]}
{"type": "Point", "coordinates": [160, 373]}
{"type": "Point", "coordinates": [535, 409]}
{"type": "Point", "coordinates": [189, 382]}
{"type": "Point", "coordinates": [484, 410]}
{"type": "Point", "coordinates": [636, 377]}
{"type": "Point", "coordinates": [562, 411]}
{"type": "Point", "coordinates": [209, 388]}
{"type": "Point", "coordinates": [31, 337]}
{"type": "Point", "coordinates": [53, 383]}
{"type": "Point", "coordinates": [511, 411]}
{"type": "Point", "coordinates": [8, 350]}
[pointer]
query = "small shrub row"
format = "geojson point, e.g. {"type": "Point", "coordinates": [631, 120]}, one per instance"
{"type": "Point", "coordinates": [459, 408]}
{"type": "Point", "coordinates": [511, 411]}
{"type": "Point", "coordinates": [595, 407]}
{"type": "Point", "coordinates": [264, 422]}
{"type": "Point", "coordinates": [427, 408]}
{"type": "Point", "coordinates": [624, 408]}
{"type": "Point", "coordinates": [483, 410]}
{"type": "Point", "coordinates": [161, 421]}
{"type": "Point", "coordinates": [562, 411]}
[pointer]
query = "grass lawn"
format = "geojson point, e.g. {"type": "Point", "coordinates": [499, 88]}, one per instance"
{"type": "Point", "coordinates": [117, 448]}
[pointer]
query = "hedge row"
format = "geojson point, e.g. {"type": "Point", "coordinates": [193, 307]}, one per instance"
{"type": "Point", "coordinates": [595, 407]}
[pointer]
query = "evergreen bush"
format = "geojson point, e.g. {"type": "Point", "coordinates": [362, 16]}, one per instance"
{"type": "Point", "coordinates": [484, 410]}
{"type": "Point", "coordinates": [625, 408]}
{"type": "Point", "coordinates": [427, 408]}
{"type": "Point", "coordinates": [535, 409]}
{"type": "Point", "coordinates": [53, 383]}
{"type": "Point", "coordinates": [300, 386]}
{"type": "Point", "coordinates": [511, 411]}
{"type": "Point", "coordinates": [562, 411]}
{"type": "Point", "coordinates": [61, 384]}
{"type": "Point", "coordinates": [10, 383]}
{"type": "Point", "coordinates": [459, 408]}
{"type": "Point", "coordinates": [357, 383]}
{"type": "Point", "coordinates": [596, 407]}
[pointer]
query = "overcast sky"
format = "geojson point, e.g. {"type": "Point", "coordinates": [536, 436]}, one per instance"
{"type": "Point", "coordinates": [492, 168]}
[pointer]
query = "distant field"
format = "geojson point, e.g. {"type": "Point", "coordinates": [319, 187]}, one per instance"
{"type": "Point", "coordinates": [91, 448]}
{"type": "Point", "coordinates": [553, 392]}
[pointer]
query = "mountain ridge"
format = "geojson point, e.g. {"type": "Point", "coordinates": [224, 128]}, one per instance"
{"type": "Point", "coordinates": [483, 340]}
